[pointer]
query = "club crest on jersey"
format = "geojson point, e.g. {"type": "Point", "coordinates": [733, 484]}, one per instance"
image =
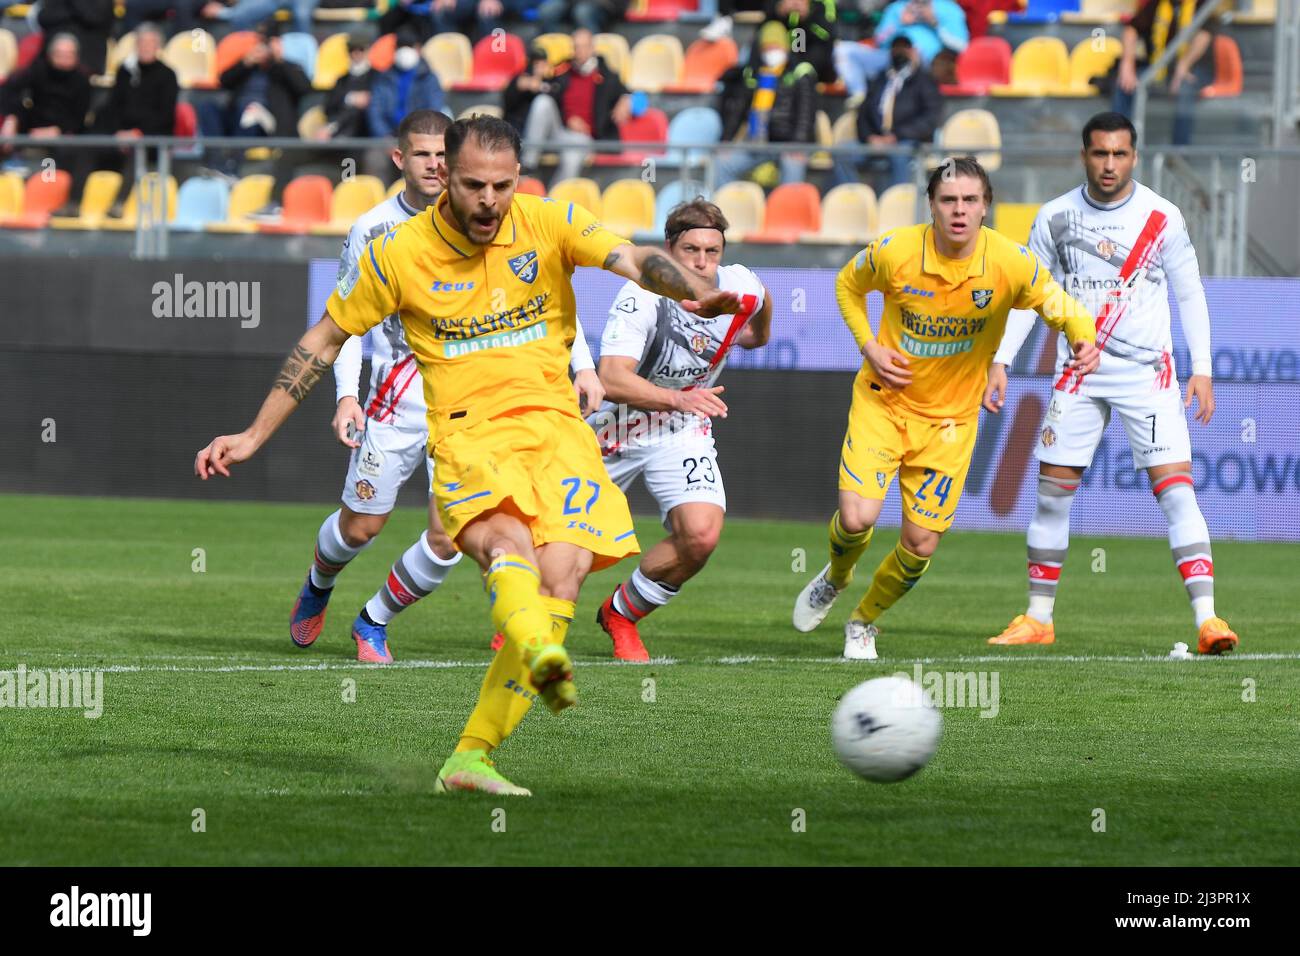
{"type": "Point", "coordinates": [365, 490]}
{"type": "Point", "coordinates": [524, 265]}
{"type": "Point", "coordinates": [882, 479]}
{"type": "Point", "coordinates": [981, 297]}
{"type": "Point", "coordinates": [1049, 437]}
{"type": "Point", "coordinates": [699, 343]}
{"type": "Point", "coordinates": [1106, 248]}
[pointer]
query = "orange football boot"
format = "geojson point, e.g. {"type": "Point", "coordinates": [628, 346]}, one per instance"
{"type": "Point", "coordinates": [1023, 629]}
{"type": "Point", "coordinates": [1216, 637]}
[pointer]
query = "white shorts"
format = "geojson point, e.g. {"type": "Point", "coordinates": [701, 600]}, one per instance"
{"type": "Point", "coordinates": [679, 471]}
{"type": "Point", "coordinates": [1155, 420]}
{"type": "Point", "coordinates": [387, 458]}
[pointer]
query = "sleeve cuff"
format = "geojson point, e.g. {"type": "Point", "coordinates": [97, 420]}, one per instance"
{"type": "Point", "coordinates": [1202, 367]}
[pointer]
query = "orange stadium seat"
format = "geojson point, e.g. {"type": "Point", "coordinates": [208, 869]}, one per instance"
{"type": "Point", "coordinates": [1227, 69]}
{"type": "Point", "coordinates": [985, 63]}
{"type": "Point", "coordinates": [497, 59]}
{"type": "Point", "coordinates": [793, 211]}
{"type": "Point", "coordinates": [39, 197]}
{"type": "Point", "coordinates": [381, 52]}
{"type": "Point", "coordinates": [306, 203]}
{"type": "Point", "coordinates": [530, 186]}
{"type": "Point", "coordinates": [231, 48]}
{"type": "Point", "coordinates": [705, 62]}
{"type": "Point", "coordinates": [1039, 67]}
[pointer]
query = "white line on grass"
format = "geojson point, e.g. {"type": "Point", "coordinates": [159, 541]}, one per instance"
{"type": "Point", "coordinates": [734, 661]}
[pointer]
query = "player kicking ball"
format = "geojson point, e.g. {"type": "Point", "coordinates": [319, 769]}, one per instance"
{"type": "Point", "coordinates": [389, 435]}
{"type": "Point", "coordinates": [948, 286]}
{"type": "Point", "coordinates": [660, 366]}
{"type": "Point", "coordinates": [1123, 248]}
{"type": "Point", "coordinates": [482, 282]}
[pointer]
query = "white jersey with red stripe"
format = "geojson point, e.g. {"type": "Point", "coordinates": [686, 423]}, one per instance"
{"type": "Point", "coordinates": [675, 349]}
{"type": "Point", "coordinates": [396, 396]}
{"type": "Point", "coordinates": [1121, 260]}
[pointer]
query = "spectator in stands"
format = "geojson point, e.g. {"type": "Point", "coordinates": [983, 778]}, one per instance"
{"type": "Point", "coordinates": [517, 99]}
{"type": "Point", "coordinates": [944, 67]}
{"type": "Point", "coordinates": [977, 13]}
{"type": "Point", "coordinates": [721, 24]}
{"type": "Point", "coordinates": [246, 14]}
{"type": "Point", "coordinates": [811, 27]}
{"type": "Point", "coordinates": [50, 97]}
{"type": "Point", "coordinates": [594, 15]}
{"type": "Point", "coordinates": [586, 101]}
{"type": "Point", "coordinates": [90, 21]}
{"type": "Point", "coordinates": [902, 108]}
{"type": "Point", "coordinates": [347, 103]}
{"type": "Point", "coordinates": [410, 85]}
{"type": "Point", "coordinates": [775, 103]}
{"type": "Point", "coordinates": [265, 92]}
{"type": "Point", "coordinates": [475, 18]}
{"type": "Point", "coordinates": [1156, 23]}
{"type": "Point", "coordinates": [931, 25]}
{"type": "Point", "coordinates": [142, 103]}
{"type": "Point", "coordinates": [181, 16]}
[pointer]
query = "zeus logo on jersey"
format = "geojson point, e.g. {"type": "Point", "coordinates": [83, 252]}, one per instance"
{"type": "Point", "coordinates": [913, 290]}
{"type": "Point", "coordinates": [524, 265]}
{"type": "Point", "coordinates": [440, 286]}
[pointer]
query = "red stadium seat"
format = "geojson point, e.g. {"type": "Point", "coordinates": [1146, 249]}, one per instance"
{"type": "Point", "coordinates": [29, 47]}
{"type": "Point", "coordinates": [705, 62]}
{"type": "Point", "coordinates": [41, 197]}
{"type": "Point", "coordinates": [186, 122]}
{"type": "Point", "coordinates": [985, 63]}
{"type": "Point", "coordinates": [793, 210]}
{"type": "Point", "coordinates": [650, 127]}
{"type": "Point", "coordinates": [659, 10]}
{"type": "Point", "coordinates": [306, 203]}
{"type": "Point", "coordinates": [494, 68]}
{"type": "Point", "coordinates": [1227, 69]}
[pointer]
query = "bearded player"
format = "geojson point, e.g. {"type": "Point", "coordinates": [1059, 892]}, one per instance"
{"type": "Point", "coordinates": [948, 286]}
{"type": "Point", "coordinates": [1121, 248]}
{"type": "Point", "coordinates": [389, 435]}
{"type": "Point", "coordinates": [483, 284]}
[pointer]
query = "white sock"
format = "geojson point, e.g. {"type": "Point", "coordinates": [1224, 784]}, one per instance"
{"type": "Point", "coordinates": [1048, 541]}
{"type": "Point", "coordinates": [416, 574]}
{"type": "Point", "coordinates": [1189, 540]}
{"type": "Point", "coordinates": [639, 596]}
{"type": "Point", "coordinates": [332, 553]}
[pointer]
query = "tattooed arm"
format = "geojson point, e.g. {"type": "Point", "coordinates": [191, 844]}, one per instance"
{"type": "Point", "coordinates": [655, 271]}
{"type": "Point", "coordinates": [311, 358]}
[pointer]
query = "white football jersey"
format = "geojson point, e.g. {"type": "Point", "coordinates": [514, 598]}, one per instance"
{"type": "Point", "coordinates": [1122, 260]}
{"type": "Point", "coordinates": [675, 349]}
{"type": "Point", "coordinates": [396, 395]}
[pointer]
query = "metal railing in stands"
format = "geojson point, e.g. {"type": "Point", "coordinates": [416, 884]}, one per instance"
{"type": "Point", "coordinates": [1207, 179]}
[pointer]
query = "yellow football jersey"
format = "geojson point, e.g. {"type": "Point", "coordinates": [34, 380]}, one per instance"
{"type": "Point", "coordinates": [948, 315]}
{"type": "Point", "coordinates": [491, 326]}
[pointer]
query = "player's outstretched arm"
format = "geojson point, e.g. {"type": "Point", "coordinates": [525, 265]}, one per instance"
{"type": "Point", "coordinates": [653, 270]}
{"type": "Point", "coordinates": [624, 386]}
{"type": "Point", "coordinates": [311, 358]}
{"type": "Point", "coordinates": [759, 328]}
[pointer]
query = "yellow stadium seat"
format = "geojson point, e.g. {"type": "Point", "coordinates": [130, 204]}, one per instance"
{"type": "Point", "coordinates": [897, 207]}
{"type": "Point", "coordinates": [845, 130]}
{"type": "Point", "coordinates": [247, 196]}
{"type": "Point", "coordinates": [97, 198]}
{"type": "Point", "coordinates": [1014, 219]}
{"type": "Point", "coordinates": [613, 49]}
{"type": "Point", "coordinates": [849, 216]}
{"type": "Point", "coordinates": [1039, 67]}
{"type": "Point", "coordinates": [970, 132]}
{"type": "Point", "coordinates": [332, 61]}
{"type": "Point", "coordinates": [143, 192]}
{"type": "Point", "coordinates": [8, 53]}
{"type": "Point", "coordinates": [825, 136]}
{"type": "Point", "coordinates": [558, 47]}
{"type": "Point", "coordinates": [1091, 58]}
{"type": "Point", "coordinates": [450, 56]}
{"type": "Point", "coordinates": [1261, 11]}
{"type": "Point", "coordinates": [743, 204]}
{"type": "Point", "coordinates": [11, 194]}
{"type": "Point", "coordinates": [350, 199]}
{"type": "Point", "coordinates": [119, 51]}
{"type": "Point", "coordinates": [482, 109]}
{"type": "Point", "coordinates": [193, 56]}
{"type": "Point", "coordinates": [579, 191]}
{"type": "Point", "coordinates": [628, 207]}
{"type": "Point", "coordinates": [396, 188]}
{"type": "Point", "coordinates": [341, 14]}
{"type": "Point", "coordinates": [1100, 11]}
{"type": "Point", "coordinates": [312, 122]}
{"type": "Point", "coordinates": [657, 61]}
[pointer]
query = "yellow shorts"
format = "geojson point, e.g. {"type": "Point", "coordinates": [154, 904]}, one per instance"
{"type": "Point", "coordinates": [930, 456]}
{"type": "Point", "coordinates": [548, 466]}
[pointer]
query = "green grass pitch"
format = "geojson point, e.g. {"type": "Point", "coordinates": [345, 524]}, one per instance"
{"type": "Point", "coordinates": [207, 705]}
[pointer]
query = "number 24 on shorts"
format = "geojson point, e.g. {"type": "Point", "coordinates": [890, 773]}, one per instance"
{"type": "Point", "coordinates": [941, 490]}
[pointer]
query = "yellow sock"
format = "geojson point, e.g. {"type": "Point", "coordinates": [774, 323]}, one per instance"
{"type": "Point", "coordinates": [846, 549]}
{"type": "Point", "coordinates": [512, 584]}
{"type": "Point", "coordinates": [507, 693]}
{"type": "Point", "coordinates": [897, 573]}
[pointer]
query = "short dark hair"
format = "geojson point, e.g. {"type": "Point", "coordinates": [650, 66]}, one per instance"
{"type": "Point", "coordinates": [1109, 122]}
{"type": "Point", "coordinates": [954, 166]}
{"type": "Point", "coordinates": [901, 39]}
{"type": "Point", "coordinates": [421, 123]}
{"type": "Point", "coordinates": [491, 133]}
{"type": "Point", "coordinates": [697, 213]}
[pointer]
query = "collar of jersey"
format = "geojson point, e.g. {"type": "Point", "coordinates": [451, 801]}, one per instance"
{"type": "Point", "coordinates": [1107, 207]}
{"type": "Point", "coordinates": [935, 264]}
{"type": "Point", "coordinates": [457, 241]}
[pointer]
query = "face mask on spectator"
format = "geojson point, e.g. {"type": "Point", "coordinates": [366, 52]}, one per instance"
{"type": "Point", "coordinates": [361, 67]}
{"type": "Point", "coordinates": [587, 66]}
{"type": "Point", "coordinates": [775, 58]}
{"type": "Point", "coordinates": [406, 58]}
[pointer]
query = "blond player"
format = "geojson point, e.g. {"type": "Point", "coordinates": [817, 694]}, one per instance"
{"type": "Point", "coordinates": [948, 286]}
{"type": "Point", "coordinates": [482, 282]}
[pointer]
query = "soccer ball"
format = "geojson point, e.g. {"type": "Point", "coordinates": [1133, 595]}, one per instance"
{"type": "Point", "coordinates": [886, 729]}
